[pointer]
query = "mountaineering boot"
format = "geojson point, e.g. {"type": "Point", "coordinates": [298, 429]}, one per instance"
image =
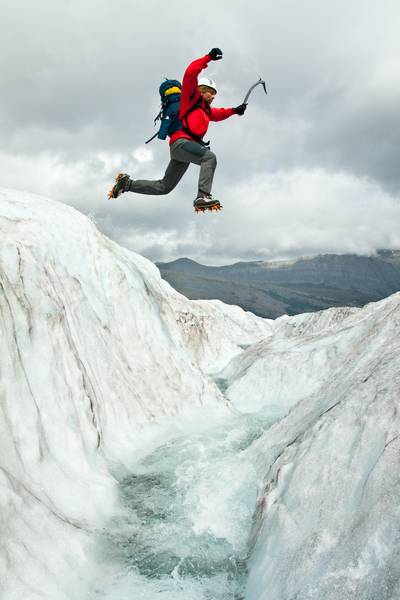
{"type": "Point", "coordinates": [122, 183]}
{"type": "Point", "coordinates": [205, 202]}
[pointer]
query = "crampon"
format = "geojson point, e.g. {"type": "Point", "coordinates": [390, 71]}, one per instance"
{"type": "Point", "coordinates": [119, 187]}
{"type": "Point", "coordinates": [213, 207]}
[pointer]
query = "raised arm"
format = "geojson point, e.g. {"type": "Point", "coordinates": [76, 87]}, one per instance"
{"type": "Point", "coordinates": [190, 92]}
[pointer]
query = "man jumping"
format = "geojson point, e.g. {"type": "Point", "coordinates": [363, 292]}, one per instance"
{"type": "Point", "coordinates": [186, 143]}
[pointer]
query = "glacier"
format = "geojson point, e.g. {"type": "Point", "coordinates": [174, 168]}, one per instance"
{"type": "Point", "coordinates": [326, 523]}
{"type": "Point", "coordinates": [161, 447]}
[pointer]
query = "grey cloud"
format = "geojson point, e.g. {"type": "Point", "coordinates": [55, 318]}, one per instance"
{"type": "Point", "coordinates": [80, 82]}
{"type": "Point", "coordinates": [360, 135]}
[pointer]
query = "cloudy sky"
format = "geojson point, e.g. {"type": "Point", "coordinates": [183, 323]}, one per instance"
{"type": "Point", "coordinates": [312, 167]}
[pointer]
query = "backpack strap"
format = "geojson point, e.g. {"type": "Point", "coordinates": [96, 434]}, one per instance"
{"type": "Point", "coordinates": [152, 138]}
{"type": "Point", "coordinates": [185, 126]}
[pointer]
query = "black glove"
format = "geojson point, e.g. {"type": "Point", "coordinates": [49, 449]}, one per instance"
{"type": "Point", "coordinates": [215, 54]}
{"type": "Point", "coordinates": [239, 110]}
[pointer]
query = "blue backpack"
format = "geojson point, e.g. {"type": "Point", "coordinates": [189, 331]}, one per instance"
{"type": "Point", "coordinates": [169, 113]}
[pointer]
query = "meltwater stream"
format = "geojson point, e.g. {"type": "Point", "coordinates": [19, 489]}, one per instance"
{"type": "Point", "coordinates": [186, 519]}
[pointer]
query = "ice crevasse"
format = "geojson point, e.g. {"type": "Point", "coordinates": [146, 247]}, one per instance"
{"type": "Point", "coordinates": [99, 356]}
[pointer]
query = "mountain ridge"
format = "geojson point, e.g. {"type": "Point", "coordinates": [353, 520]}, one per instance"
{"type": "Point", "coordinates": [271, 289]}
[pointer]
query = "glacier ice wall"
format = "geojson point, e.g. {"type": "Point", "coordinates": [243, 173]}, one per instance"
{"type": "Point", "coordinates": [326, 524]}
{"type": "Point", "coordinates": [95, 349]}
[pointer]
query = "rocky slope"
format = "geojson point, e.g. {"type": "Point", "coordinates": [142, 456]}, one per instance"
{"type": "Point", "coordinates": [273, 289]}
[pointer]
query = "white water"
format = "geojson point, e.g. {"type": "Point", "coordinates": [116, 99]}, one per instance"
{"type": "Point", "coordinates": [187, 514]}
{"type": "Point", "coordinates": [125, 472]}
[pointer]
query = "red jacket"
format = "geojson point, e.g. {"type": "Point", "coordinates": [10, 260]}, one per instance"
{"type": "Point", "coordinates": [197, 120]}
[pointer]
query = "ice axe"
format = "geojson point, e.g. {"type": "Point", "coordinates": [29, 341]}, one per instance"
{"type": "Point", "coordinates": [259, 82]}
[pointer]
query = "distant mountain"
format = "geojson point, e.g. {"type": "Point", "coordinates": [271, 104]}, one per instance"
{"type": "Point", "coordinates": [270, 289]}
{"type": "Point", "coordinates": [390, 256]}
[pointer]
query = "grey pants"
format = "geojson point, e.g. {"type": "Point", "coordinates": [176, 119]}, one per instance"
{"type": "Point", "coordinates": [183, 152]}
